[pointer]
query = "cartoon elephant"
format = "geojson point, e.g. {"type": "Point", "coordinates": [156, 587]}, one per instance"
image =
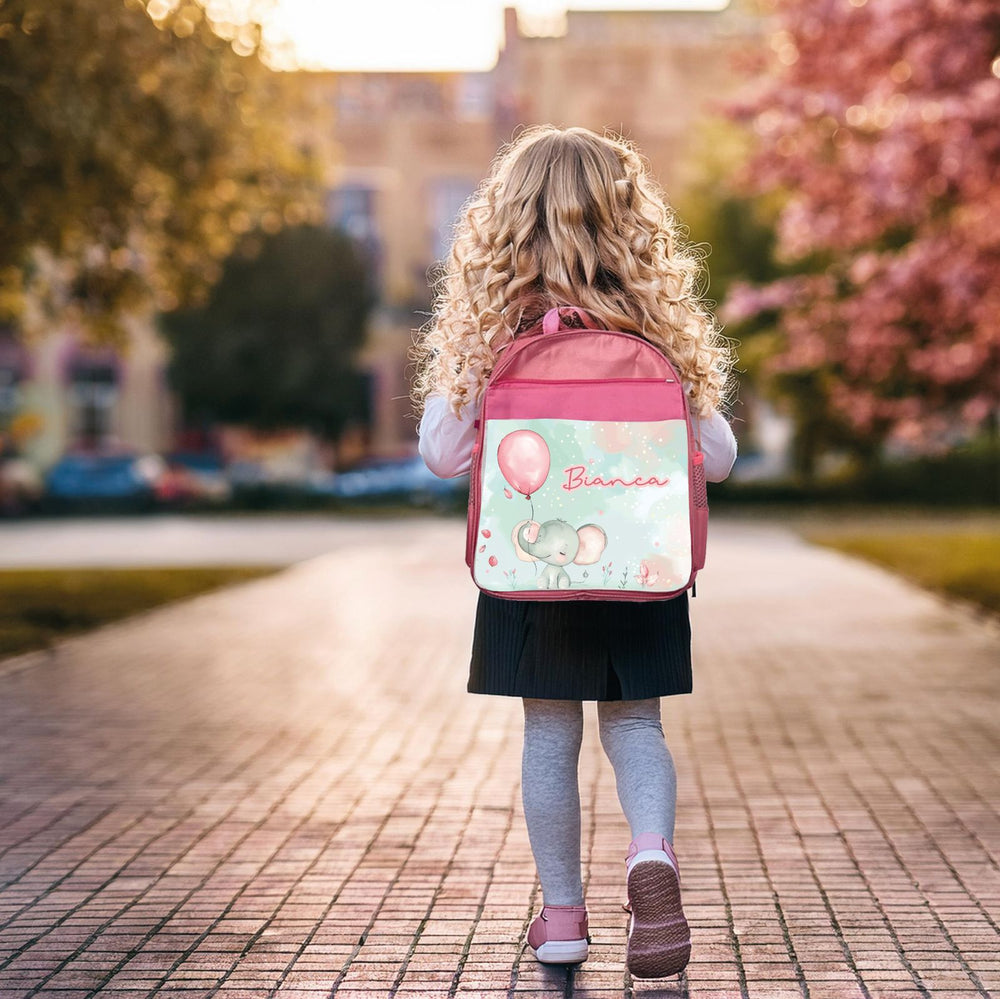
{"type": "Point", "coordinates": [558, 544]}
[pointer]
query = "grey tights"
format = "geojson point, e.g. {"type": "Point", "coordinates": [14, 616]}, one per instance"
{"type": "Point", "coordinates": [632, 737]}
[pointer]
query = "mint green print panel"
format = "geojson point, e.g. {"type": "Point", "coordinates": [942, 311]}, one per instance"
{"type": "Point", "coordinates": [585, 505]}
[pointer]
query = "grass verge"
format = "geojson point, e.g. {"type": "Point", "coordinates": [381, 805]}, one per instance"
{"type": "Point", "coordinates": [40, 606]}
{"type": "Point", "coordinates": [961, 563]}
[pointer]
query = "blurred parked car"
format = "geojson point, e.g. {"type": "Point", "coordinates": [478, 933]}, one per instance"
{"type": "Point", "coordinates": [125, 480]}
{"type": "Point", "coordinates": [244, 474]}
{"type": "Point", "coordinates": [193, 476]}
{"type": "Point", "coordinates": [21, 485]}
{"type": "Point", "coordinates": [407, 479]}
{"type": "Point", "coordinates": [262, 485]}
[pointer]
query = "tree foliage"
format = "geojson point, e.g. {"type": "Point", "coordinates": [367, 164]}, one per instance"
{"type": "Point", "coordinates": [137, 146]}
{"type": "Point", "coordinates": [879, 121]}
{"type": "Point", "coordinates": [274, 344]}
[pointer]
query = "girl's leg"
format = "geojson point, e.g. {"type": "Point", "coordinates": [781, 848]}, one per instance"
{"type": "Point", "coordinates": [550, 788]}
{"type": "Point", "coordinates": [632, 737]}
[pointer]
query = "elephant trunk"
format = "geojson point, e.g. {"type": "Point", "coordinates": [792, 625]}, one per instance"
{"type": "Point", "coordinates": [522, 537]}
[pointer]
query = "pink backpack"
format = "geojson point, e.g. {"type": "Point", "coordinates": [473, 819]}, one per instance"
{"type": "Point", "coordinates": [586, 482]}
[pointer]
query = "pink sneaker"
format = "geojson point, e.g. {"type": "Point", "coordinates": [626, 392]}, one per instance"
{"type": "Point", "coordinates": [659, 941]}
{"type": "Point", "coordinates": [559, 935]}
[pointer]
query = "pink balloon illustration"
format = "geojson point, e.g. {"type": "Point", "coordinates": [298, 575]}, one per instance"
{"type": "Point", "coordinates": [524, 458]}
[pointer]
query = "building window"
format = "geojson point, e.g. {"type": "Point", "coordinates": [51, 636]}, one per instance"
{"type": "Point", "coordinates": [351, 208]}
{"type": "Point", "coordinates": [93, 392]}
{"type": "Point", "coordinates": [474, 99]}
{"type": "Point", "coordinates": [447, 196]}
{"type": "Point", "coordinates": [10, 394]}
{"type": "Point", "coordinates": [14, 370]}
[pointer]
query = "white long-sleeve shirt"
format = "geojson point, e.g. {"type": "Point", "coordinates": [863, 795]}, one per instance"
{"type": "Point", "coordinates": [446, 440]}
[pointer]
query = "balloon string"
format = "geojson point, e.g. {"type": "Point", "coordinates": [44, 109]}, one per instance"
{"type": "Point", "coordinates": [531, 503]}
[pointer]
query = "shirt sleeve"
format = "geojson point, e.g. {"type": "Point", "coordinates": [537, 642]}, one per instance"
{"type": "Point", "coordinates": [446, 440]}
{"type": "Point", "coordinates": [718, 444]}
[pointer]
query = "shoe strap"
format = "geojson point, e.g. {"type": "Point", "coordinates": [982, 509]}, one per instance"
{"type": "Point", "coordinates": [565, 922]}
{"type": "Point", "coordinates": [651, 841]}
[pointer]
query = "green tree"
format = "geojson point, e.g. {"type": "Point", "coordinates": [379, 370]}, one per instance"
{"type": "Point", "coordinates": [274, 344]}
{"type": "Point", "coordinates": [139, 142]}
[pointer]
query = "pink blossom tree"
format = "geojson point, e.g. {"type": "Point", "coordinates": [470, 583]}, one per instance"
{"type": "Point", "coordinates": [879, 120]}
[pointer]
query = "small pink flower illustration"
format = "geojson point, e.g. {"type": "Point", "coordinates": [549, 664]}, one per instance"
{"type": "Point", "coordinates": [486, 533]}
{"type": "Point", "coordinates": [655, 571]}
{"type": "Point", "coordinates": [493, 560]}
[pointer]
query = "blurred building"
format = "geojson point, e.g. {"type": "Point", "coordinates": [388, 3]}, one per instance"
{"type": "Point", "coordinates": [60, 393]}
{"type": "Point", "coordinates": [411, 147]}
{"type": "Point", "coordinates": [407, 150]}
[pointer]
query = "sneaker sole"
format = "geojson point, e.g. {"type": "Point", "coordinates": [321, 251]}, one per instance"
{"type": "Point", "coordinates": [561, 951]}
{"type": "Point", "coordinates": [659, 941]}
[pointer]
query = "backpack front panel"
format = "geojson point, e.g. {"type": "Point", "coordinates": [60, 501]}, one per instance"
{"type": "Point", "coordinates": [581, 508]}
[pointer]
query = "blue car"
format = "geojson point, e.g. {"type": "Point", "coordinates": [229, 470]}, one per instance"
{"type": "Point", "coordinates": [114, 480]}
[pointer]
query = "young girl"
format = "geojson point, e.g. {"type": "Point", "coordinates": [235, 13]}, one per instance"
{"type": "Point", "coordinates": [569, 217]}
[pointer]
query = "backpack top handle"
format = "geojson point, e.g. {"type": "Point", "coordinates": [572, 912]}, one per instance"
{"type": "Point", "coordinates": [553, 318]}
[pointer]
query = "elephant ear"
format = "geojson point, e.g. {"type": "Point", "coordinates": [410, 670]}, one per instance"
{"type": "Point", "coordinates": [521, 553]}
{"type": "Point", "coordinates": [592, 543]}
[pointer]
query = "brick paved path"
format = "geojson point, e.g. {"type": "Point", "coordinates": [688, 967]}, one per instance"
{"type": "Point", "coordinates": [284, 788]}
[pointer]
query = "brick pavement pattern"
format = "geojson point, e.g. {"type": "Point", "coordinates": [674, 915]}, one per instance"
{"type": "Point", "coordinates": [283, 788]}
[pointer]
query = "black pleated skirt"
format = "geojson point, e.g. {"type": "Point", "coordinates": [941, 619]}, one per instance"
{"type": "Point", "coordinates": [586, 650]}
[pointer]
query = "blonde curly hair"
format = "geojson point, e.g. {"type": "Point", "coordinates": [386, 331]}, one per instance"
{"type": "Point", "coordinates": [567, 217]}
